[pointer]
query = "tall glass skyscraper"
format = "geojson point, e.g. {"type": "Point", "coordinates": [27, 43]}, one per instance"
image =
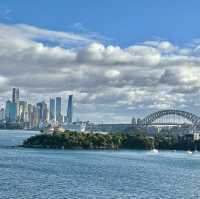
{"type": "Point", "coordinates": [23, 111]}
{"type": "Point", "coordinates": [15, 99]}
{"type": "Point", "coordinates": [2, 114]}
{"type": "Point", "coordinates": [69, 109]}
{"type": "Point", "coordinates": [58, 110]}
{"type": "Point", "coordinates": [11, 111]}
{"type": "Point", "coordinates": [7, 111]}
{"type": "Point", "coordinates": [52, 109]}
{"type": "Point", "coordinates": [43, 111]}
{"type": "Point", "coordinates": [15, 95]}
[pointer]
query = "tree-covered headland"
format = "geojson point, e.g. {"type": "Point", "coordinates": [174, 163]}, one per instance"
{"type": "Point", "coordinates": [74, 140]}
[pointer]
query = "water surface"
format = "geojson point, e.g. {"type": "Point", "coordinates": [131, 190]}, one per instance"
{"type": "Point", "coordinates": [63, 174]}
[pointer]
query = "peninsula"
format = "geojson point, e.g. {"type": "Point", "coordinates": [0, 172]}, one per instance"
{"type": "Point", "coordinates": [74, 140]}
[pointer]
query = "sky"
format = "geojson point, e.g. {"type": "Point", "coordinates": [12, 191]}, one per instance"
{"type": "Point", "coordinates": [120, 59]}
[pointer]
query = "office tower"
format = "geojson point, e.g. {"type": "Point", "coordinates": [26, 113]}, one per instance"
{"type": "Point", "coordinates": [30, 110]}
{"type": "Point", "coordinates": [7, 111]}
{"type": "Point", "coordinates": [15, 95]}
{"type": "Point", "coordinates": [35, 117]}
{"type": "Point", "coordinates": [69, 109]}
{"type": "Point", "coordinates": [30, 115]}
{"type": "Point", "coordinates": [39, 106]}
{"type": "Point", "coordinates": [43, 112]}
{"type": "Point", "coordinates": [15, 99]}
{"type": "Point", "coordinates": [134, 121]}
{"type": "Point", "coordinates": [11, 111]}
{"type": "Point", "coordinates": [52, 109]}
{"type": "Point", "coordinates": [139, 122]}
{"type": "Point", "coordinates": [59, 117]}
{"type": "Point", "coordinates": [2, 114]}
{"type": "Point", "coordinates": [23, 111]}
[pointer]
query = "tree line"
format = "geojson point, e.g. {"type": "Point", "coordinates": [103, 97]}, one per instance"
{"type": "Point", "coordinates": [74, 140]}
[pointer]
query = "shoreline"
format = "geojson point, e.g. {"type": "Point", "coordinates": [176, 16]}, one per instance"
{"type": "Point", "coordinates": [21, 130]}
{"type": "Point", "coordinates": [80, 141]}
{"type": "Point", "coordinates": [111, 150]}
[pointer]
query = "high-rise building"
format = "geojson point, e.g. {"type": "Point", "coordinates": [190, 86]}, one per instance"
{"type": "Point", "coordinates": [52, 109]}
{"type": "Point", "coordinates": [59, 117]}
{"type": "Point", "coordinates": [133, 121]}
{"type": "Point", "coordinates": [2, 114]}
{"type": "Point", "coordinates": [23, 111]}
{"type": "Point", "coordinates": [35, 117]}
{"type": "Point", "coordinates": [43, 112]}
{"type": "Point", "coordinates": [69, 109]}
{"type": "Point", "coordinates": [11, 111]}
{"type": "Point", "coordinates": [30, 115]}
{"type": "Point", "coordinates": [139, 122]}
{"type": "Point", "coordinates": [15, 95]}
{"type": "Point", "coordinates": [7, 110]}
{"type": "Point", "coordinates": [15, 99]}
{"type": "Point", "coordinates": [30, 110]}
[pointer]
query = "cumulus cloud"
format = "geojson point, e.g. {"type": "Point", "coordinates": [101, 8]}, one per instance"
{"type": "Point", "coordinates": [181, 76]}
{"type": "Point", "coordinates": [106, 79]}
{"type": "Point", "coordinates": [97, 53]}
{"type": "Point", "coordinates": [163, 46]}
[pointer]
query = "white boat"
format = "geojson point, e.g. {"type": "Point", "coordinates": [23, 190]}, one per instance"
{"type": "Point", "coordinates": [154, 150]}
{"type": "Point", "coordinates": [189, 152]}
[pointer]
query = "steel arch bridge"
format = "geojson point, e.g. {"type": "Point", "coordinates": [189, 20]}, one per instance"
{"type": "Point", "coordinates": [149, 119]}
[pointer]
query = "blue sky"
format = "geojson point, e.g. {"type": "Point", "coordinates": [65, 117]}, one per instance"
{"type": "Point", "coordinates": [118, 58]}
{"type": "Point", "coordinates": [124, 22]}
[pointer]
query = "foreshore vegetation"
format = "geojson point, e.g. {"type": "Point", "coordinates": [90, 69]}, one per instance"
{"type": "Point", "coordinates": [74, 140]}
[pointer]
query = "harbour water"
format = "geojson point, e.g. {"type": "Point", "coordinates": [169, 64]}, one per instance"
{"type": "Point", "coordinates": [63, 174]}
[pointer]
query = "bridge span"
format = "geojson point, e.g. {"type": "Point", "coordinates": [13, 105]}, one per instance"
{"type": "Point", "coordinates": [152, 119]}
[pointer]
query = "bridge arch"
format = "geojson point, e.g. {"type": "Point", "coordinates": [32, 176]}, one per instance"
{"type": "Point", "coordinates": [149, 119]}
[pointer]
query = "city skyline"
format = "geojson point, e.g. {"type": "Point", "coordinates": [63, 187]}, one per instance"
{"type": "Point", "coordinates": [21, 98]}
{"type": "Point", "coordinates": [17, 113]}
{"type": "Point", "coordinates": [115, 69]}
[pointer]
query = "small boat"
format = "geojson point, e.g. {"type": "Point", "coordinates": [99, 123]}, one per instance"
{"type": "Point", "coordinates": [154, 150]}
{"type": "Point", "coordinates": [189, 152]}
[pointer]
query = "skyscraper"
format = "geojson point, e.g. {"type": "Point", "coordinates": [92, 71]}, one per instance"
{"type": "Point", "coordinates": [15, 99]}
{"type": "Point", "coordinates": [15, 95]}
{"type": "Point", "coordinates": [52, 109]}
{"type": "Point", "coordinates": [30, 115]}
{"type": "Point", "coordinates": [7, 110]}
{"type": "Point", "coordinates": [11, 111]}
{"type": "Point", "coordinates": [35, 121]}
{"type": "Point", "coordinates": [43, 112]}
{"type": "Point", "coordinates": [69, 109]}
{"type": "Point", "coordinates": [59, 117]}
{"type": "Point", "coordinates": [2, 114]}
{"type": "Point", "coordinates": [23, 111]}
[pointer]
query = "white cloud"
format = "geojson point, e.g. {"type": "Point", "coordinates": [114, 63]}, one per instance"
{"type": "Point", "coordinates": [105, 79]}
{"type": "Point", "coordinates": [97, 53]}
{"type": "Point", "coordinates": [112, 73]}
{"type": "Point", "coordinates": [181, 76]}
{"type": "Point", "coordinates": [24, 31]}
